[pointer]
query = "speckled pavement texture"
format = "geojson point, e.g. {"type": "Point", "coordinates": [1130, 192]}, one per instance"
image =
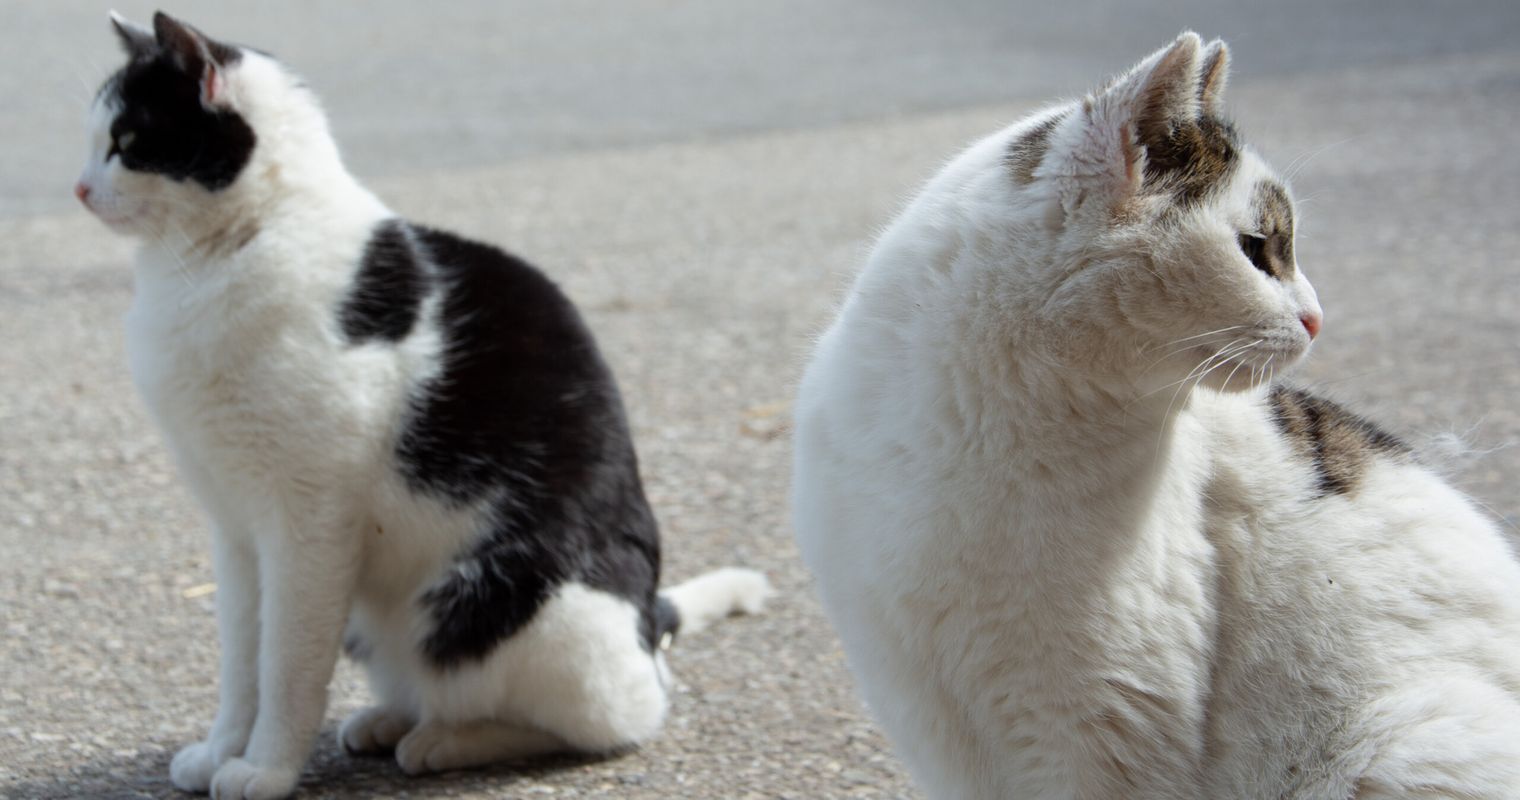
{"type": "Point", "coordinates": [706, 252]}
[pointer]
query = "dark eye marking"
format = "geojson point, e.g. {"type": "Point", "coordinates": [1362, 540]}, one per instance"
{"type": "Point", "coordinates": [176, 136]}
{"type": "Point", "coordinates": [1270, 248]}
{"type": "Point", "coordinates": [1255, 248]}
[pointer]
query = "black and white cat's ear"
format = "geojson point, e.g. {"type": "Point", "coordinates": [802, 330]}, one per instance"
{"type": "Point", "coordinates": [1213, 76]}
{"type": "Point", "coordinates": [195, 54]}
{"type": "Point", "coordinates": [135, 39]}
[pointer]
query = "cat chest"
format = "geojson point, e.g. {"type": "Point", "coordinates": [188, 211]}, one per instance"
{"type": "Point", "coordinates": [250, 382]}
{"type": "Point", "coordinates": [1055, 605]}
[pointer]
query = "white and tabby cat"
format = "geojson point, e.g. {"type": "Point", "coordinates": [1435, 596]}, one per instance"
{"type": "Point", "coordinates": [1076, 541]}
{"type": "Point", "coordinates": [395, 431]}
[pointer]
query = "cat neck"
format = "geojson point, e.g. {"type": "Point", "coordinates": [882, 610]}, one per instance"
{"type": "Point", "coordinates": [1045, 412]}
{"type": "Point", "coordinates": [272, 200]}
{"type": "Point", "coordinates": [1062, 454]}
{"type": "Point", "coordinates": [1080, 470]}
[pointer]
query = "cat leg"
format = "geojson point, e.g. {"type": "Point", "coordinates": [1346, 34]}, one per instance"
{"type": "Point", "coordinates": [237, 603]}
{"type": "Point", "coordinates": [374, 730]}
{"type": "Point", "coordinates": [436, 746]}
{"type": "Point", "coordinates": [306, 583]}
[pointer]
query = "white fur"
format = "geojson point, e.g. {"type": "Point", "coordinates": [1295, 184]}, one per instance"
{"type": "Point", "coordinates": [283, 430]}
{"type": "Point", "coordinates": [1066, 548]}
{"type": "Point", "coordinates": [708, 598]}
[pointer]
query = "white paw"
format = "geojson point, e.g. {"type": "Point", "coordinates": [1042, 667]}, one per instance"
{"type": "Point", "coordinates": [240, 780]}
{"type": "Point", "coordinates": [194, 765]}
{"type": "Point", "coordinates": [428, 748]}
{"type": "Point", "coordinates": [373, 730]}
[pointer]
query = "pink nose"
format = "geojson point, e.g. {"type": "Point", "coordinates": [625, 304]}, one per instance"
{"type": "Point", "coordinates": [82, 192]}
{"type": "Point", "coordinates": [1312, 322]}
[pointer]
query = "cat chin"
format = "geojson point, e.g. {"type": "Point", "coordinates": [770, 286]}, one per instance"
{"type": "Point", "coordinates": [1253, 373]}
{"type": "Point", "coordinates": [1242, 381]}
{"type": "Point", "coordinates": [123, 224]}
{"type": "Point", "coordinates": [127, 217]}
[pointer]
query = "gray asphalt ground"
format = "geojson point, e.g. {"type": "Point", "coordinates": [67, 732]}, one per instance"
{"type": "Point", "coordinates": [703, 178]}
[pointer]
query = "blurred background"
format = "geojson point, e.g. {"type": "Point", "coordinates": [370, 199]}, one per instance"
{"type": "Point", "coordinates": [703, 176]}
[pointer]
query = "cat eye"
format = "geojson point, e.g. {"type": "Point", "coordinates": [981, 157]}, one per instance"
{"type": "Point", "coordinates": [120, 142]}
{"type": "Point", "coordinates": [1255, 248]}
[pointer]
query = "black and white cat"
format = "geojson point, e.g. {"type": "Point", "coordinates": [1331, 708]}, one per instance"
{"type": "Point", "coordinates": [396, 433]}
{"type": "Point", "coordinates": [1076, 542]}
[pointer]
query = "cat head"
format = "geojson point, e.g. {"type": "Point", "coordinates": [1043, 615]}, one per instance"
{"type": "Point", "coordinates": [190, 133]}
{"type": "Point", "coordinates": [1137, 236]}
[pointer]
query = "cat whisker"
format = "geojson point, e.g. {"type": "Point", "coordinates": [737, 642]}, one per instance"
{"type": "Point", "coordinates": [1492, 512]}
{"type": "Point", "coordinates": [1239, 352]}
{"type": "Point", "coordinates": [84, 82]}
{"type": "Point", "coordinates": [163, 200]}
{"type": "Point", "coordinates": [182, 269]}
{"type": "Point", "coordinates": [1202, 335]}
{"type": "Point", "coordinates": [1242, 362]}
{"type": "Point", "coordinates": [1186, 343]}
{"type": "Point", "coordinates": [1182, 349]}
{"type": "Point", "coordinates": [1303, 160]}
{"type": "Point", "coordinates": [1220, 359]}
{"type": "Point", "coordinates": [1221, 352]}
{"type": "Point", "coordinates": [1259, 372]}
{"type": "Point", "coordinates": [1166, 418]}
{"type": "Point", "coordinates": [1177, 383]}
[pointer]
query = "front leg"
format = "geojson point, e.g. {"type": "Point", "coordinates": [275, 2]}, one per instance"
{"type": "Point", "coordinates": [237, 622]}
{"type": "Point", "coordinates": [306, 582]}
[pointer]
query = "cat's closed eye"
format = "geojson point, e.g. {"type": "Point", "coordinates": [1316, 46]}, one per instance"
{"type": "Point", "coordinates": [1255, 248]}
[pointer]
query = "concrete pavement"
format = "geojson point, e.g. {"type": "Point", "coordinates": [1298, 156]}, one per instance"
{"type": "Point", "coordinates": [703, 179]}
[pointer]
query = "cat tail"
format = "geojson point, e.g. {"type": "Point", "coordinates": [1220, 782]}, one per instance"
{"type": "Point", "coordinates": [693, 605]}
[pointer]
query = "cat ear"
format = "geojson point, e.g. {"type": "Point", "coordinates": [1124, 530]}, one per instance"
{"type": "Point", "coordinates": [1213, 76]}
{"type": "Point", "coordinates": [135, 39]}
{"type": "Point", "coordinates": [1162, 93]}
{"type": "Point", "coordinates": [1105, 157]}
{"type": "Point", "coordinates": [195, 55]}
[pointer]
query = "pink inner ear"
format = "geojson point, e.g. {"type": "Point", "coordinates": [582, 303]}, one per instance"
{"type": "Point", "coordinates": [211, 85]}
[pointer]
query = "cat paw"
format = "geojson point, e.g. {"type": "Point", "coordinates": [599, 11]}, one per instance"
{"type": "Point", "coordinates": [240, 780]}
{"type": "Point", "coordinates": [424, 750]}
{"type": "Point", "coordinates": [437, 746]}
{"type": "Point", "coordinates": [193, 765]}
{"type": "Point", "coordinates": [373, 730]}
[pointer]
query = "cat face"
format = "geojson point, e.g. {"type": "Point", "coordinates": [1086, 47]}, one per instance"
{"type": "Point", "coordinates": [176, 134]}
{"type": "Point", "coordinates": [1168, 252]}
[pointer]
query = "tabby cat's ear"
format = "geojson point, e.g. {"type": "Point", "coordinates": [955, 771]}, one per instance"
{"type": "Point", "coordinates": [195, 55]}
{"type": "Point", "coordinates": [1213, 76]}
{"type": "Point", "coordinates": [1139, 110]}
{"type": "Point", "coordinates": [135, 39]}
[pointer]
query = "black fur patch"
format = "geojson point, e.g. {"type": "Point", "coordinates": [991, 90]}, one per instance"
{"type": "Point", "coordinates": [667, 618]}
{"type": "Point", "coordinates": [525, 417]}
{"type": "Point", "coordinates": [161, 126]}
{"type": "Point", "coordinates": [1339, 443]}
{"type": "Point", "coordinates": [1189, 159]}
{"type": "Point", "coordinates": [388, 290]}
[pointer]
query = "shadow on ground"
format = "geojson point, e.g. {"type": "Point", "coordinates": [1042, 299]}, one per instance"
{"type": "Point", "coordinates": [330, 773]}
